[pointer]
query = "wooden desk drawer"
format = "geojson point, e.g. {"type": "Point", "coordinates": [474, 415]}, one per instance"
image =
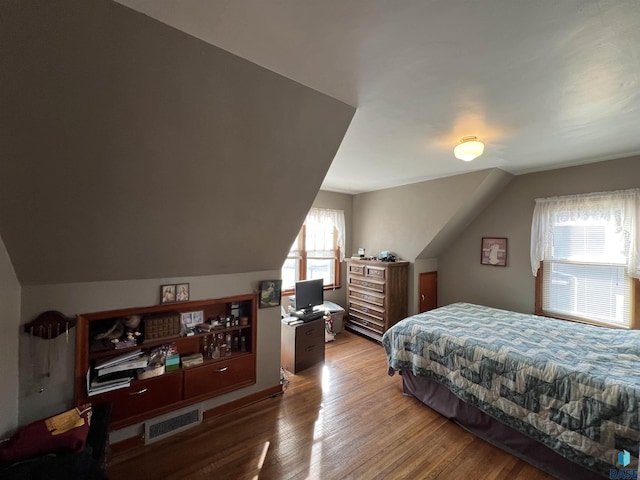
{"type": "Point", "coordinates": [142, 396]}
{"type": "Point", "coordinates": [302, 345]}
{"type": "Point", "coordinates": [218, 377]}
{"type": "Point", "coordinates": [310, 332]}
{"type": "Point", "coordinates": [308, 355]}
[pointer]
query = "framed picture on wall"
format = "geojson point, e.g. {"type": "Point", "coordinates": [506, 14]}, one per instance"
{"type": "Point", "coordinates": [270, 291]}
{"type": "Point", "coordinates": [182, 292]}
{"type": "Point", "coordinates": [494, 251]}
{"type": "Point", "coordinates": [167, 293]}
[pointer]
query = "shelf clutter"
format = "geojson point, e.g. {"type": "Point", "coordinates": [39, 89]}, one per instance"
{"type": "Point", "coordinates": [150, 360]}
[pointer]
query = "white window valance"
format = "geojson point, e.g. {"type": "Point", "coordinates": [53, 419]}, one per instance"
{"type": "Point", "coordinates": [320, 222]}
{"type": "Point", "coordinates": [620, 209]}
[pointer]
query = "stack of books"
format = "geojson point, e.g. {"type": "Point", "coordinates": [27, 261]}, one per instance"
{"type": "Point", "coordinates": [115, 372]}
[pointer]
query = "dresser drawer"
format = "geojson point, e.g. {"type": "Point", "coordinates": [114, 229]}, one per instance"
{"type": "Point", "coordinates": [367, 308]}
{"type": "Point", "coordinates": [367, 322]}
{"type": "Point", "coordinates": [218, 377]}
{"type": "Point", "coordinates": [142, 396]}
{"type": "Point", "coordinates": [368, 297]}
{"type": "Point", "coordinates": [362, 283]}
{"type": "Point", "coordinates": [357, 269]}
{"type": "Point", "coordinates": [375, 272]}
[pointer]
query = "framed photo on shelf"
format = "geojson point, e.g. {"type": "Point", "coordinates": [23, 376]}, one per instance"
{"type": "Point", "coordinates": [182, 292]}
{"type": "Point", "coordinates": [270, 291]}
{"type": "Point", "coordinates": [186, 320]}
{"type": "Point", "coordinates": [494, 251]}
{"type": "Point", "coordinates": [167, 293]}
{"type": "Point", "coordinates": [197, 317]}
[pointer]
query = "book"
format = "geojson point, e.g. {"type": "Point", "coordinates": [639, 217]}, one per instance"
{"type": "Point", "coordinates": [107, 362]}
{"type": "Point", "coordinates": [111, 378]}
{"type": "Point", "coordinates": [107, 388]}
{"type": "Point", "coordinates": [132, 364]}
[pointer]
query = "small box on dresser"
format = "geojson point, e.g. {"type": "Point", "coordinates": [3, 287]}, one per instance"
{"type": "Point", "coordinates": [377, 296]}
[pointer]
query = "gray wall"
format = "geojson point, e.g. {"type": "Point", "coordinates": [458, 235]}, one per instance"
{"type": "Point", "coordinates": [406, 220]}
{"type": "Point", "coordinates": [9, 324]}
{"type": "Point", "coordinates": [460, 275]}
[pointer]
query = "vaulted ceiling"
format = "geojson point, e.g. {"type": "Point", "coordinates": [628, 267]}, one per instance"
{"type": "Point", "coordinates": [543, 83]}
{"type": "Point", "coordinates": [169, 138]}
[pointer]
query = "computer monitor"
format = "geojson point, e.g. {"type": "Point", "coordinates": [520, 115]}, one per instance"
{"type": "Point", "coordinates": [309, 293]}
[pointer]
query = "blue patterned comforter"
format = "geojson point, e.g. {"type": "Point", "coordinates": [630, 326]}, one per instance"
{"type": "Point", "coordinates": [573, 387]}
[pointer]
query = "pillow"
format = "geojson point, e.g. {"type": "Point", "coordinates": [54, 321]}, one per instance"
{"type": "Point", "coordinates": [65, 432]}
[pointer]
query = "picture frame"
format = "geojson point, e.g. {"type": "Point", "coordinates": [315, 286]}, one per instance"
{"type": "Point", "coordinates": [167, 293]}
{"type": "Point", "coordinates": [182, 292]}
{"type": "Point", "coordinates": [197, 317]}
{"type": "Point", "coordinates": [493, 251]}
{"type": "Point", "coordinates": [270, 293]}
{"type": "Point", "coordinates": [186, 320]}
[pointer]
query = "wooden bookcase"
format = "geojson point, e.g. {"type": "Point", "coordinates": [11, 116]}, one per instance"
{"type": "Point", "coordinates": [151, 397]}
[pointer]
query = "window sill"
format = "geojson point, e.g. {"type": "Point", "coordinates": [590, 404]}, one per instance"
{"type": "Point", "coordinates": [584, 321]}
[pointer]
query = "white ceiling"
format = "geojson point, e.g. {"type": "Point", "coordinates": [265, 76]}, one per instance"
{"type": "Point", "coordinates": [543, 83]}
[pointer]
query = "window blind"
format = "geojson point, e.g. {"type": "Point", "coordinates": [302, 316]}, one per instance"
{"type": "Point", "coordinates": [584, 268]}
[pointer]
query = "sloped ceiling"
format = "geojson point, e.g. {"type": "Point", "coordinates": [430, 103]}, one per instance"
{"type": "Point", "coordinates": [420, 220]}
{"type": "Point", "coordinates": [544, 84]}
{"type": "Point", "coordinates": [132, 150]}
{"type": "Point", "coordinates": [476, 201]}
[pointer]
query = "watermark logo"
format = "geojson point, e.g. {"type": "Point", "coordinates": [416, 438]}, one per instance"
{"type": "Point", "coordinates": [624, 459]}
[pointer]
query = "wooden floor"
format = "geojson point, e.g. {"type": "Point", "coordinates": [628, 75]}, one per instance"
{"type": "Point", "coordinates": [346, 419]}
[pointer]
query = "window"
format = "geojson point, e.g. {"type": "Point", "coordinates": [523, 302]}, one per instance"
{"type": "Point", "coordinates": [587, 247]}
{"type": "Point", "coordinates": [317, 250]}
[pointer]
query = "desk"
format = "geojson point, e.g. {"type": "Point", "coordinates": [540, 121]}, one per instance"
{"type": "Point", "coordinates": [302, 344]}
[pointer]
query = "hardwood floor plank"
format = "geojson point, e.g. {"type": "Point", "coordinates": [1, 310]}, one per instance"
{"type": "Point", "coordinates": [346, 419]}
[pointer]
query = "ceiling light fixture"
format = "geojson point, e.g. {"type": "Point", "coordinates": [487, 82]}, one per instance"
{"type": "Point", "coordinates": [468, 149]}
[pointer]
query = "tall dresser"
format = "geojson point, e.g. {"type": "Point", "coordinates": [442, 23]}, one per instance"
{"type": "Point", "coordinates": [377, 295]}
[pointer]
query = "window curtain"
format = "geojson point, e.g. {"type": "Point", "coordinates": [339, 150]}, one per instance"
{"type": "Point", "coordinates": [621, 207]}
{"type": "Point", "coordinates": [323, 220]}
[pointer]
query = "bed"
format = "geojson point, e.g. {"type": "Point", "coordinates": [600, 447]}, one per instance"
{"type": "Point", "coordinates": [563, 396]}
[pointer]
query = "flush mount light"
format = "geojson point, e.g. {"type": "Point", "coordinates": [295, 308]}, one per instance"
{"type": "Point", "coordinates": [468, 149]}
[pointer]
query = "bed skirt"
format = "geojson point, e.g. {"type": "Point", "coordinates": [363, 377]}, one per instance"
{"type": "Point", "coordinates": [475, 421]}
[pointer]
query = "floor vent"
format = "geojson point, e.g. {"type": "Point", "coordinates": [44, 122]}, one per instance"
{"type": "Point", "coordinates": [174, 422]}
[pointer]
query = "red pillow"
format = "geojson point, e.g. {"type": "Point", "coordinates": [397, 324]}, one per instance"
{"type": "Point", "coordinates": [66, 432]}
